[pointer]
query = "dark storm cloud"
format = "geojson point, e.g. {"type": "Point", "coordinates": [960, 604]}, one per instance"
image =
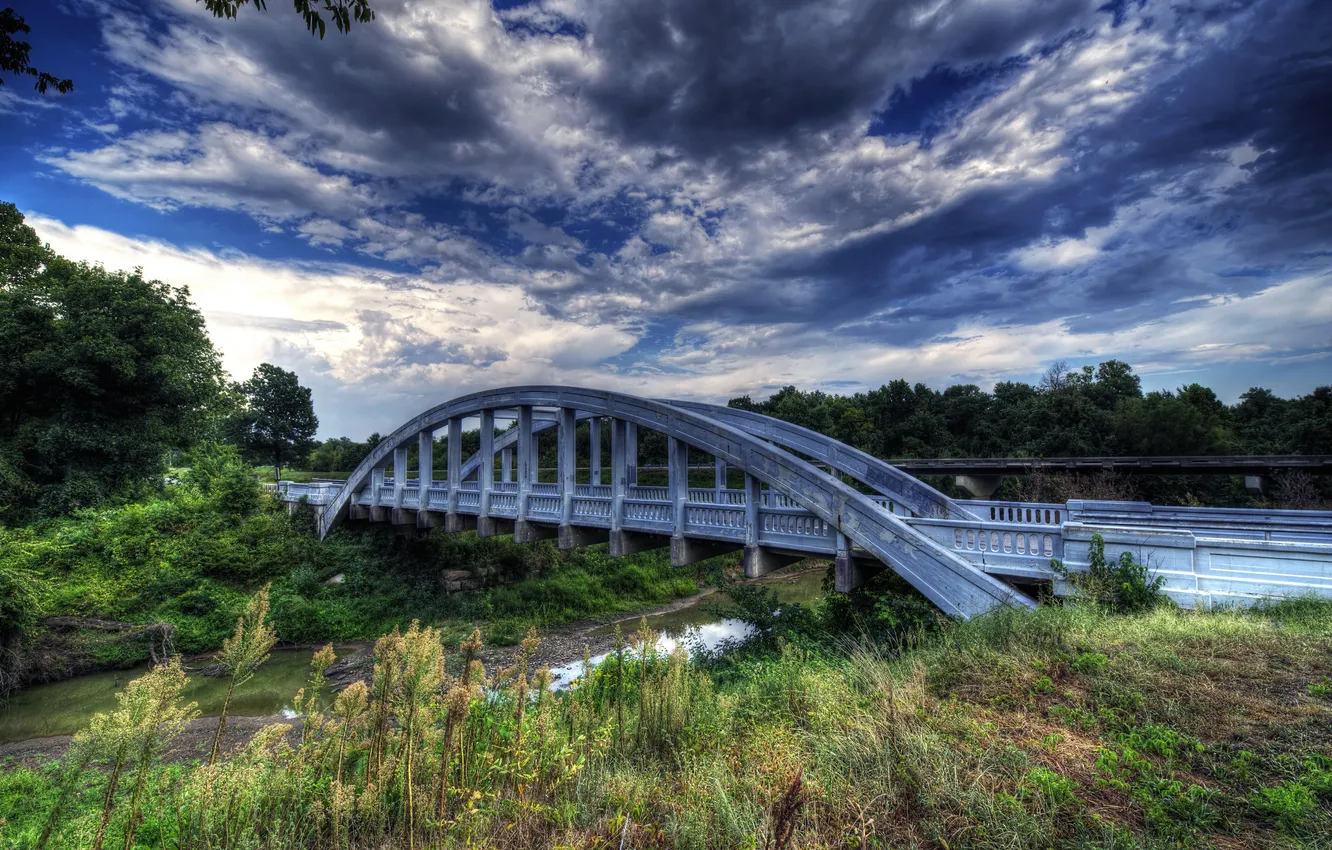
{"type": "Point", "coordinates": [396, 100]}
{"type": "Point", "coordinates": [1271, 90]}
{"type": "Point", "coordinates": [719, 79]}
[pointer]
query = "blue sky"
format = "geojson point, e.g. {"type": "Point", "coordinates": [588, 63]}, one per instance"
{"type": "Point", "coordinates": [701, 198]}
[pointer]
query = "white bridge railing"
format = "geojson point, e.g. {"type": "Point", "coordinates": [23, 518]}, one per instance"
{"type": "Point", "coordinates": [1208, 556]}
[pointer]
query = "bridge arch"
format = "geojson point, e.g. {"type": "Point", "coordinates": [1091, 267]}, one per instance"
{"type": "Point", "coordinates": [834, 510]}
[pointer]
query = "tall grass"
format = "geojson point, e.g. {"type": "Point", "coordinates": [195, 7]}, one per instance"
{"type": "Point", "coordinates": [1063, 727]}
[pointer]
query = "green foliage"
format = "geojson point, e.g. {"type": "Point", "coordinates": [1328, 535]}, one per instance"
{"type": "Point", "coordinates": [276, 420]}
{"type": "Point", "coordinates": [1288, 804]}
{"type": "Point", "coordinates": [14, 55]}
{"type": "Point", "coordinates": [100, 373]}
{"type": "Point", "coordinates": [218, 474]}
{"type": "Point", "coordinates": [1321, 689]}
{"type": "Point", "coordinates": [1090, 662]}
{"type": "Point", "coordinates": [1123, 585]}
{"type": "Point", "coordinates": [342, 12]}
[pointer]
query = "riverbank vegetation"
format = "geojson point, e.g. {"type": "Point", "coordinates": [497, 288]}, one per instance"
{"type": "Point", "coordinates": [1070, 726]}
{"type": "Point", "coordinates": [190, 555]}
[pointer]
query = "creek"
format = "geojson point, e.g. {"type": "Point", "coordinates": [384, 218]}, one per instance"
{"type": "Point", "coordinates": [63, 708]}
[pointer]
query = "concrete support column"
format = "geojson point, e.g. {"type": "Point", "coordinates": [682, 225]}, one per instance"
{"type": "Point", "coordinates": [378, 510]}
{"type": "Point", "coordinates": [685, 551]}
{"type": "Point", "coordinates": [399, 474]}
{"type": "Point", "coordinates": [454, 521]}
{"type": "Point", "coordinates": [850, 572]}
{"type": "Point", "coordinates": [525, 531]}
{"type": "Point", "coordinates": [720, 480]}
{"type": "Point", "coordinates": [758, 560]}
{"type": "Point", "coordinates": [425, 464]}
{"type": "Point", "coordinates": [677, 480]}
{"type": "Point", "coordinates": [571, 536]}
{"type": "Point", "coordinates": [594, 450]}
{"type": "Point", "coordinates": [400, 515]}
{"type": "Point", "coordinates": [485, 475]}
{"type": "Point", "coordinates": [524, 471]}
{"type": "Point", "coordinates": [624, 542]}
{"type": "Point", "coordinates": [506, 465]}
{"type": "Point", "coordinates": [979, 486]}
{"type": "Point", "coordinates": [631, 453]}
{"type": "Point", "coordinates": [619, 481]}
{"type": "Point", "coordinates": [566, 461]}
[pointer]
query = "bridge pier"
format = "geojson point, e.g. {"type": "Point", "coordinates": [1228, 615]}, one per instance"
{"type": "Point", "coordinates": [454, 523]}
{"type": "Point", "coordinates": [578, 536]}
{"type": "Point", "coordinates": [760, 560]}
{"type": "Point", "coordinates": [689, 550]}
{"type": "Point", "coordinates": [489, 526]}
{"type": "Point", "coordinates": [403, 516]}
{"type": "Point", "coordinates": [850, 572]}
{"type": "Point", "coordinates": [979, 486]}
{"type": "Point", "coordinates": [358, 512]}
{"type": "Point", "coordinates": [632, 542]}
{"type": "Point", "coordinates": [525, 531]}
{"type": "Point", "coordinates": [429, 519]}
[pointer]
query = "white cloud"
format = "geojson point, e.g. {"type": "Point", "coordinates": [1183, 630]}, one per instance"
{"type": "Point", "coordinates": [218, 165]}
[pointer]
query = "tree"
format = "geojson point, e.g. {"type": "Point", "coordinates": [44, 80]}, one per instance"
{"type": "Point", "coordinates": [277, 421]}
{"type": "Point", "coordinates": [14, 53]}
{"type": "Point", "coordinates": [100, 374]}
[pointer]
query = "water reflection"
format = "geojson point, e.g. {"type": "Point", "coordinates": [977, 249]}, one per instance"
{"type": "Point", "coordinates": [63, 708]}
{"type": "Point", "coordinates": [696, 626]}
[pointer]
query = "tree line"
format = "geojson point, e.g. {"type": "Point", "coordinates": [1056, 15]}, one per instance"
{"type": "Point", "coordinates": [1085, 412]}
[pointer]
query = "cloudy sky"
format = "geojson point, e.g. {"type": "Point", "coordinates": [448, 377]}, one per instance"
{"type": "Point", "coordinates": [701, 197]}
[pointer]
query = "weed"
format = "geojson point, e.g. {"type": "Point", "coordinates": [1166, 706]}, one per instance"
{"type": "Point", "coordinates": [1288, 804]}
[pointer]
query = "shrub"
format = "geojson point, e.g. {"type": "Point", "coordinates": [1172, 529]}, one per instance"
{"type": "Point", "coordinates": [1123, 585]}
{"type": "Point", "coordinates": [1288, 804]}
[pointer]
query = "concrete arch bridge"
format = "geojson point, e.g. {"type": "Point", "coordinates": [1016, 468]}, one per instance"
{"type": "Point", "coordinates": [803, 495]}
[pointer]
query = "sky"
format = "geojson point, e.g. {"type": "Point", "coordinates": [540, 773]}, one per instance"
{"type": "Point", "coordinates": [701, 198]}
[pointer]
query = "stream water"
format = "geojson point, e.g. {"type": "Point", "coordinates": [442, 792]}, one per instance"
{"type": "Point", "coordinates": [697, 626]}
{"type": "Point", "coordinates": [62, 708]}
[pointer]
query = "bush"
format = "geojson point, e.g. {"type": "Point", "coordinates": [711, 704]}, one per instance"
{"type": "Point", "coordinates": [1289, 804]}
{"type": "Point", "coordinates": [217, 473]}
{"type": "Point", "coordinates": [1124, 586]}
